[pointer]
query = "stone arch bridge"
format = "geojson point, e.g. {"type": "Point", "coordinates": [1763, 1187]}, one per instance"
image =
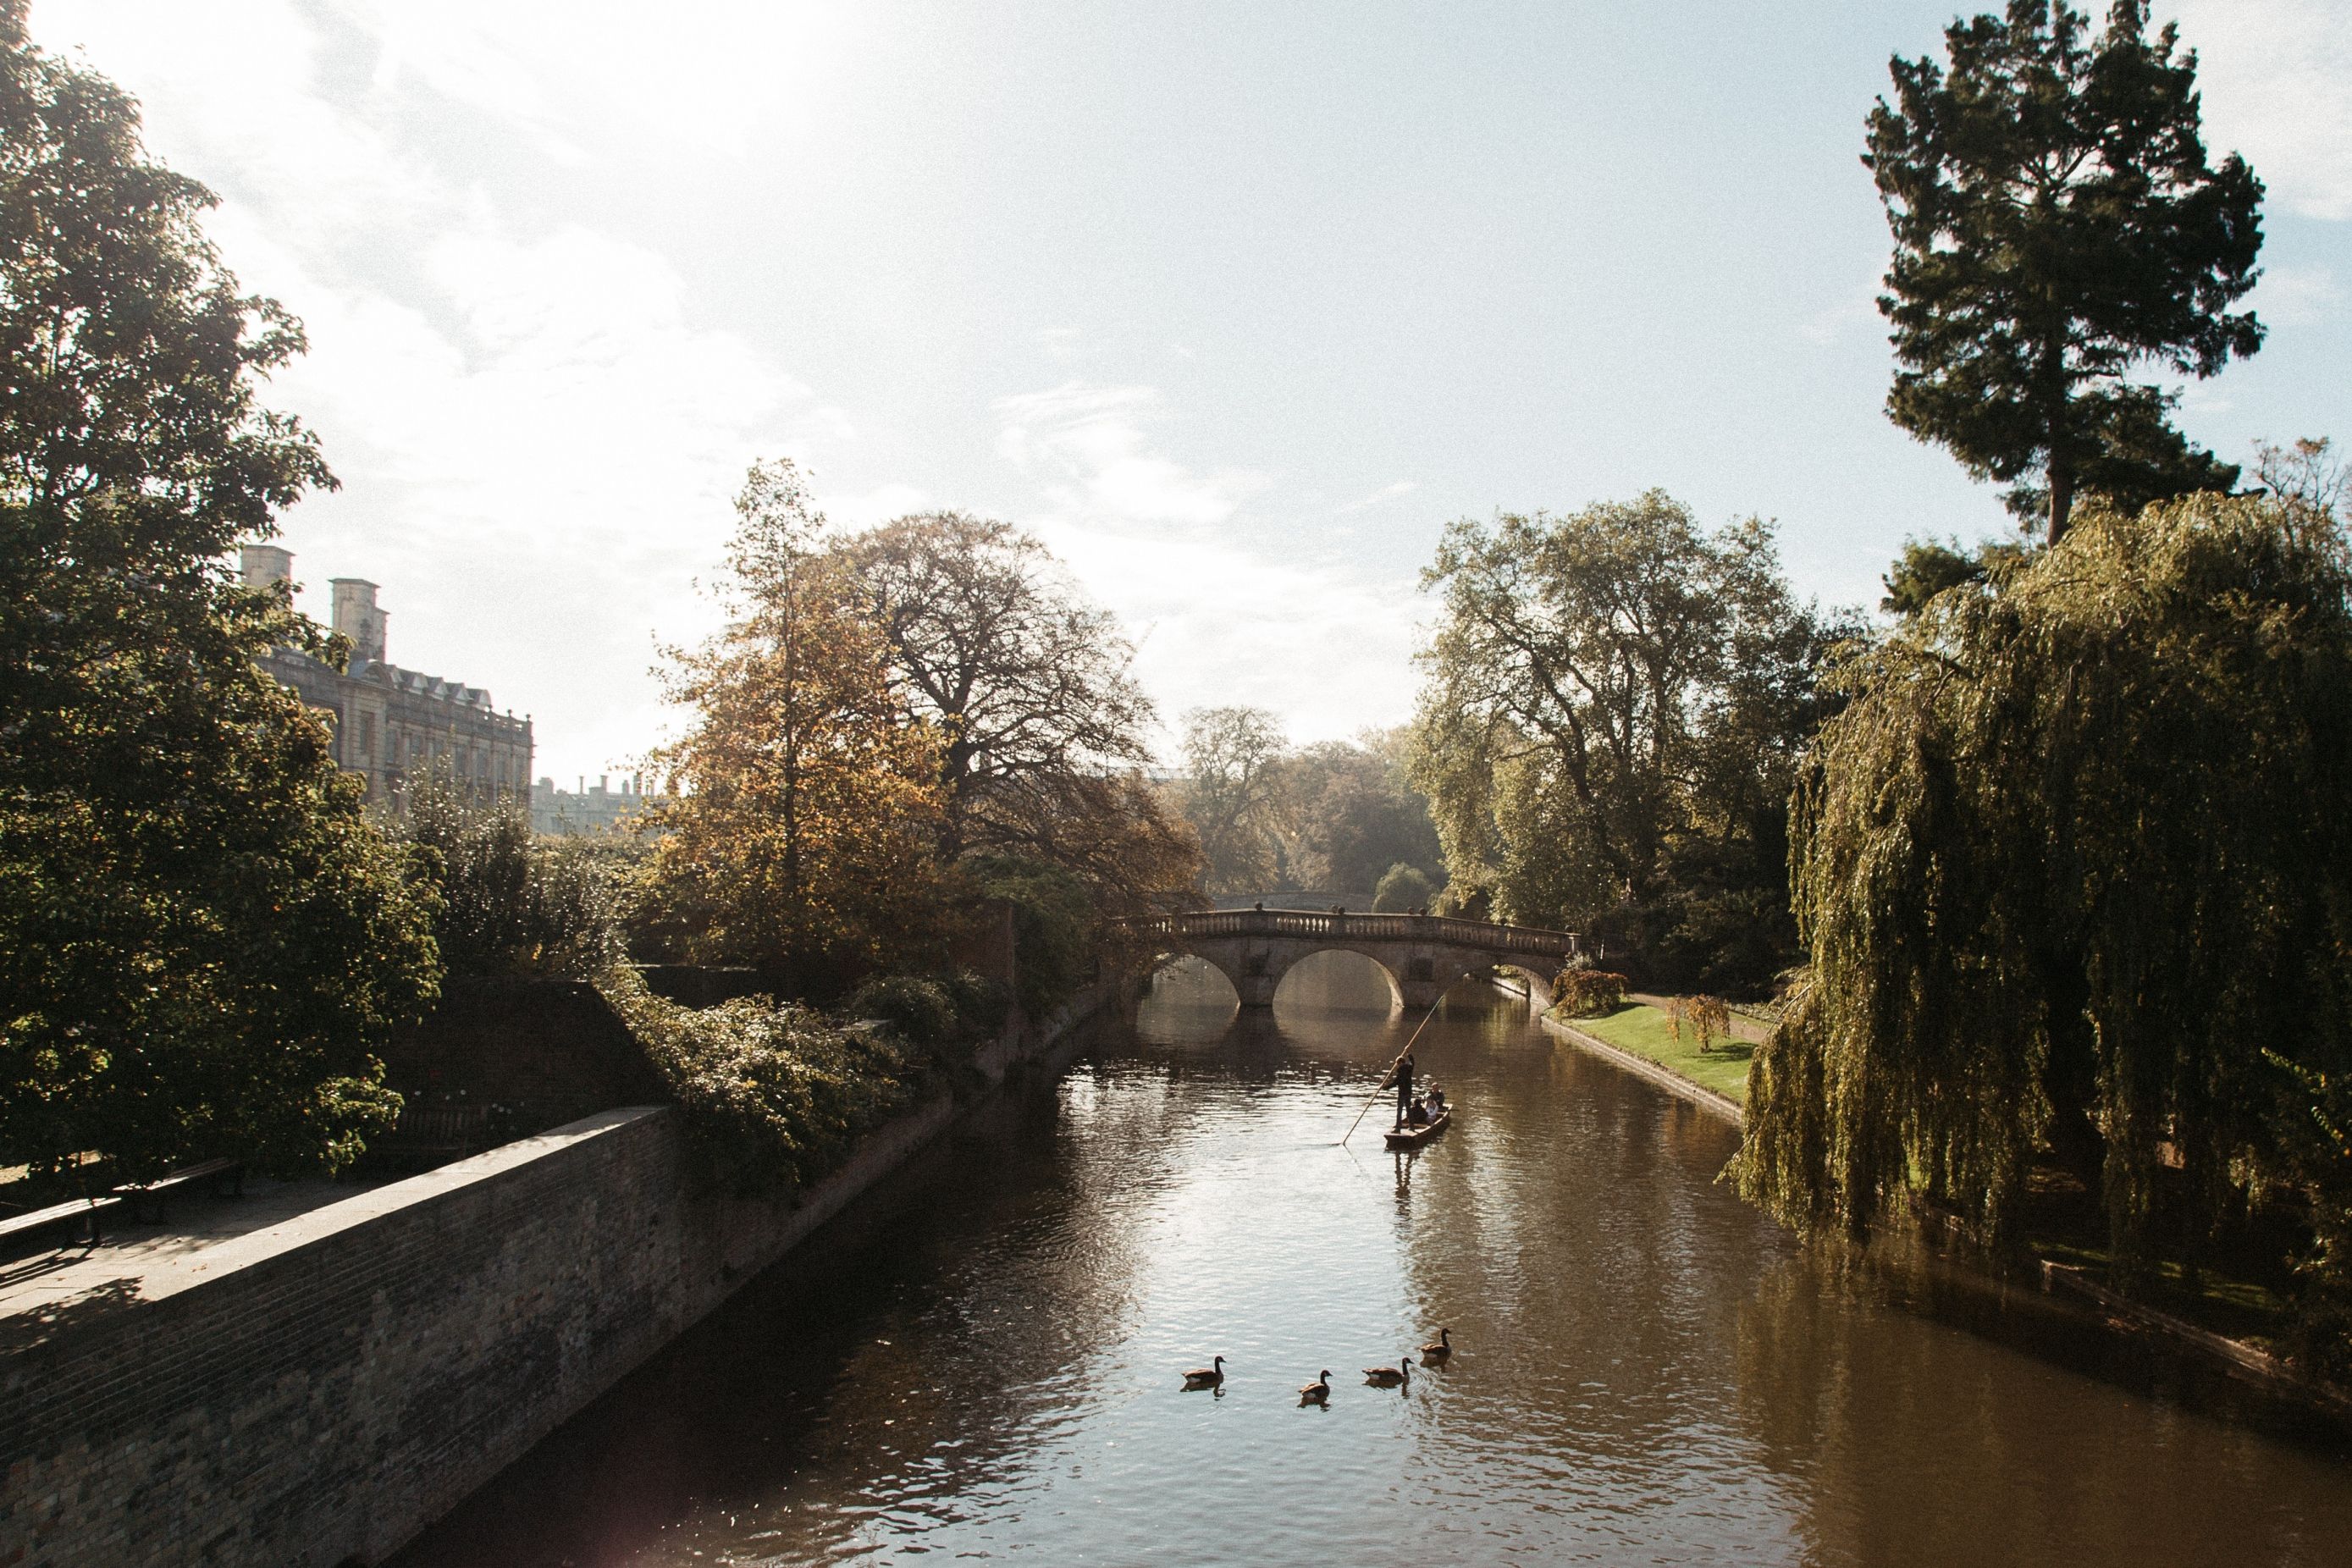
{"type": "Point", "coordinates": [1422, 954]}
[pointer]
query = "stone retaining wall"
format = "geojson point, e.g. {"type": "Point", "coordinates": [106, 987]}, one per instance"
{"type": "Point", "coordinates": [314, 1394]}
{"type": "Point", "coordinates": [1720, 1106]}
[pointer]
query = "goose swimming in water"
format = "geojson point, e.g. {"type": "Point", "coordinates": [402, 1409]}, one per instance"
{"type": "Point", "coordinates": [1208, 1376]}
{"type": "Point", "coordinates": [1318, 1392]}
{"type": "Point", "coordinates": [1389, 1376]}
{"type": "Point", "coordinates": [1440, 1349]}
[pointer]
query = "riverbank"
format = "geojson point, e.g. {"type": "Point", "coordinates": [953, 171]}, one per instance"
{"type": "Point", "coordinates": [980, 1364]}
{"type": "Point", "coordinates": [313, 1393]}
{"type": "Point", "coordinates": [1636, 1038]}
{"type": "Point", "coordinates": [1643, 1047]}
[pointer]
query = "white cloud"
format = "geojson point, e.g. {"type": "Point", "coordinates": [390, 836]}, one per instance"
{"type": "Point", "coordinates": [536, 442]}
{"type": "Point", "coordinates": [2277, 82]}
{"type": "Point", "coordinates": [881, 504]}
{"type": "Point", "coordinates": [700, 74]}
{"type": "Point", "coordinates": [1171, 553]}
{"type": "Point", "coordinates": [1222, 624]}
{"type": "Point", "coordinates": [1086, 446]}
{"type": "Point", "coordinates": [537, 439]}
{"type": "Point", "coordinates": [1387, 492]}
{"type": "Point", "coordinates": [2297, 296]}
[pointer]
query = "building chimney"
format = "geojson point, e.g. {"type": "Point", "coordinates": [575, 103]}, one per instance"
{"type": "Point", "coordinates": [357, 617]}
{"type": "Point", "coordinates": [263, 565]}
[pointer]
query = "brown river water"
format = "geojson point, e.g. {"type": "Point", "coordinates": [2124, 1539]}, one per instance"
{"type": "Point", "coordinates": [982, 1361]}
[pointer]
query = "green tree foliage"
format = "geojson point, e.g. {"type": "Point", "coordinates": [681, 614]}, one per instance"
{"type": "Point", "coordinates": [774, 1092]}
{"type": "Point", "coordinates": [1610, 714]}
{"type": "Point", "coordinates": [1350, 813]}
{"type": "Point", "coordinates": [1233, 794]}
{"type": "Point", "coordinates": [1403, 889]}
{"type": "Point", "coordinates": [2057, 223]}
{"type": "Point", "coordinates": [2072, 870]}
{"type": "Point", "coordinates": [510, 903]}
{"type": "Point", "coordinates": [1926, 567]}
{"type": "Point", "coordinates": [1054, 930]}
{"type": "Point", "coordinates": [201, 935]}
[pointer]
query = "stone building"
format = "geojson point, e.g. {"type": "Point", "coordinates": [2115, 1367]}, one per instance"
{"type": "Point", "coordinates": [586, 810]}
{"type": "Point", "coordinates": [393, 724]}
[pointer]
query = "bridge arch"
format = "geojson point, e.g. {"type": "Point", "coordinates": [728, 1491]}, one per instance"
{"type": "Point", "coordinates": [1422, 954]}
{"type": "Point", "coordinates": [1305, 970]}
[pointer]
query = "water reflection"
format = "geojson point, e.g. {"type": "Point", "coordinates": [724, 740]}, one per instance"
{"type": "Point", "coordinates": [987, 1362]}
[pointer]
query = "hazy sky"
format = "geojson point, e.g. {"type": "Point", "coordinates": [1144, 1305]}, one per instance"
{"type": "Point", "coordinates": [1236, 305]}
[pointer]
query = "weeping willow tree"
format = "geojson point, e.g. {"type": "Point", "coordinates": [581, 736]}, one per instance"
{"type": "Point", "coordinates": [2074, 870]}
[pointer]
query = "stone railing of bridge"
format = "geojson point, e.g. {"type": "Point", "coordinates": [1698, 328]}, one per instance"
{"type": "Point", "coordinates": [1423, 955]}
{"type": "Point", "coordinates": [1326, 926]}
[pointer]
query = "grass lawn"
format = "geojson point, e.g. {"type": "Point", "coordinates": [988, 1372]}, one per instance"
{"type": "Point", "coordinates": [1645, 1032]}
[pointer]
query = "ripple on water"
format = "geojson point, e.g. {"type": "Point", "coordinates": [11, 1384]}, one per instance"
{"type": "Point", "coordinates": [1646, 1371]}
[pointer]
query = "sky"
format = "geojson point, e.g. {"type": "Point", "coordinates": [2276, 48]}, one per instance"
{"type": "Point", "coordinates": [1234, 305]}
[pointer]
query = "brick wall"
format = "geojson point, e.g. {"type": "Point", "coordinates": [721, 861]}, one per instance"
{"type": "Point", "coordinates": [501, 1057]}
{"type": "Point", "coordinates": [314, 1394]}
{"type": "Point", "coordinates": [317, 1392]}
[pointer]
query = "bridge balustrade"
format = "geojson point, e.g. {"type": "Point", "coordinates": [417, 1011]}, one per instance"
{"type": "Point", "coordinates": [1323, 925]}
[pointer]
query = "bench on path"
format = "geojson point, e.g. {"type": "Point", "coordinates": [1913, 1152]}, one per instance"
{"type": "Point", "coordinates": [146, 1198]}
{"type": "Point", "coordinates": [59, 1217]}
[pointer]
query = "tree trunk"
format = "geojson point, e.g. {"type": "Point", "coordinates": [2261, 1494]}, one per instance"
{"type": "Point", "coordinates": [2071, 1078]}
{"type": "Point", "coordinates": [2061, 499]}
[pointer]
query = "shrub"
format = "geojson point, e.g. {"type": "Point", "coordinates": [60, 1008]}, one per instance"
{"type": "Point", "coordinates": [772, 1091]}
{"type": "Point", "coordinates": [1582, 993]}
{"type": "Point", "coordinates": [983, 1004]}
{"type": "Point", "coordinates": [510, 903]}
{"type": "Point", "coordinates": [1705, 1017]}
{"type": "Point", "coordinates": [923, 1011]}
{"type": "Point", "coordinates": [1403, 889]}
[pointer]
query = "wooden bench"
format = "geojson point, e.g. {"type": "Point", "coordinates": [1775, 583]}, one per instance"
{"type": "Point", "coordinates": [145, 1199]}
{"type": "Point", "coordinates": [84, 1212]}
{"type": "Point", "coordinates": [227, 1178]}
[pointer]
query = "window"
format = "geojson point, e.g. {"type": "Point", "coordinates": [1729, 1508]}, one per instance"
{"type": "Point", "coordinates": [367, 735]}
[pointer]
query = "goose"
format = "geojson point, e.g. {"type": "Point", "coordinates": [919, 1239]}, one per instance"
{"type": "Point", "coordinates": [1208, 1376]}
{"type": "Point", "coordinates": [1318, 1392]}
{"type": "Point", "coordinates": [1438, 1349]}
{"type": "Point", "coordinates": [1389, 1376]}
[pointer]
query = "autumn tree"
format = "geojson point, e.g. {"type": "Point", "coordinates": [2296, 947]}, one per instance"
{"type": "Point", "coordinates": [1612, 709]}
{"type": "Point", "coordinates": [803, 838]}
{"type": "Point", "coordinates": [1030, 688]}
{"type": "Point", "coordinates": [1233, 793]}
{"type": "Point", "coordinates": [2057, 225]}
{"type": "Point", "coordinates": [2072, 870]}
{"type": "Point", "coordinates": [201, 934]}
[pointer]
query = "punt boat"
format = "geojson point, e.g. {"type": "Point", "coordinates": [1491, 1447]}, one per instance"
{"type": "Point", "coordinates": [1414, 1137]}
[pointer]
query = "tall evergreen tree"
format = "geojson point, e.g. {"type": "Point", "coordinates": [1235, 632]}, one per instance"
{"type": "Point", "coordinates": [2057, 225]}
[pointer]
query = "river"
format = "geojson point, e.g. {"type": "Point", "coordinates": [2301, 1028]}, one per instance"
{"type": "Point", "coordinates": [982, 1361]}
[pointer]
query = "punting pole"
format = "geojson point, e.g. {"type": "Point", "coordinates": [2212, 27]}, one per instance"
{"type": "Point", "coordinates": [1392, 1067]}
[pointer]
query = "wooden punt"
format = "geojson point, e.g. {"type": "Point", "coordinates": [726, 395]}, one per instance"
{"type": "Point", "coordinates": [1414, 1137]}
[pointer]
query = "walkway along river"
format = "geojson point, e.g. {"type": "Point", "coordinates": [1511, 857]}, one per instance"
{"type": "Point", "coordinates": [983, 1361]}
